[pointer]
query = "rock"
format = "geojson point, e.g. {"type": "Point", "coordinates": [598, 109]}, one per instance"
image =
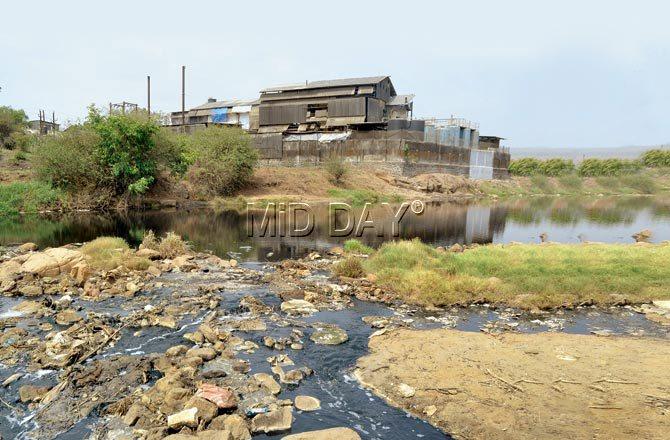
{"type": "Point", "coordinates": [52, 262]}
{"type": "Point", "coordinates": [179, 437]}
{"type": "Point", "coordinates": [206, 353]}
{"type": "Point", "coordinates": [406, 390]}
{"type": "Point", "coordinates": [234, 424]}
{"type": "Point", "coordinates": [307, 403]}
{"type": "Point", "coordinates": [29, 307]}
{"type": "Point", "coordinates": [326, 434]}
{"type": "Point", "coordinates": [31, 290]}
{"type": "Point", "coordinates": [32, 393]}
{"type": "Point", "coordinates": [221, 367]}
{"type": "Point", "coordinates": [67, 317]}
{"type": "Point", "coordinates": [207, 410]}
{"type": "Point", "coordinates": [11, 379]}
{"type": "Point", "coordinates": [148, 253]}
{"type": "Point", "coordinates": [643, 236]}
{"type": "Point", "coordinates": [456, 248]}
{"type": "Point", "coordinates": [211, 434]}
{"type": "Point", "coordinates": [223, 398]}
{"type": "Point", "coordinates": [208, 333]}
{"type": "Point", "coordinates": [187, 417]}
{"type": "Point", "coordinates": [328, 334]}
{"type": "Point", "coordinates": [430, 410]}
{"type": "Point", "coordinates": [298, 307]}
{"type": "Point", "coordinates": [662, 304]}
{"type": "Point", "coordinates": [132, 288]}
{"type": "Point", "coordinates": [232, 263]}
{"type": "Point", "coordinates": [268, 382]}
{"type": "Point", "coordinates": [28, 247]}
{"type": "Point", "coordinates": [176, 350]}
{"type": "Point", "coordinates": [154, 271]}
{"type": "Point", "coordinates": [273, 421]}
{"type": "Point", "coordinates": [81, 272]}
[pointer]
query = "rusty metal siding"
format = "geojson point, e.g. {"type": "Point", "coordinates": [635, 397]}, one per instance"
{"type": "Point", "coordinates": [346, 107]}
{"type": "Point", "coordinates": [375, 110]}
{"type": "Point", "coordinates": [282, 114]}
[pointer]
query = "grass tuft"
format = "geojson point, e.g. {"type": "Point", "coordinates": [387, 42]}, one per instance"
{"type": "Point", "coordinates": [107, 253]}
{"type": "Point", "coordinates": [350, 267]}
{"type": "Point", "coordinates": [356, 247]}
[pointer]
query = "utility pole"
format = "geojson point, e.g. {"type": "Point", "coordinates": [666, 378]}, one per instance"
{"type": "Point", "coordinates": [183, 98]}
{"type": "Point", "coordinates": [149, 95]}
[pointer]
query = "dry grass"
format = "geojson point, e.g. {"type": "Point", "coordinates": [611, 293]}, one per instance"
{"type": "Point", "coordinates": [107, 253]}
{"type": "Point", "coordinates": [170, 246]}
{"type": "Point", "coordinates": [525, 275]}
{"type": "Point", "coordinates": [350, 267]}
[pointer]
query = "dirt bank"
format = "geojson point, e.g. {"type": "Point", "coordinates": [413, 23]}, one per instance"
{"type": "Point", "coordinates": [513, 386]}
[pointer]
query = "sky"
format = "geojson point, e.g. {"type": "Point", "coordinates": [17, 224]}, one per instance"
{"type": "Point", "coordinates": [570, 74]}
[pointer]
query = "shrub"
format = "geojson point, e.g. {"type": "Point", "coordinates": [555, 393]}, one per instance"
{"type": "Point", "coordinates": [172, 245]}
{"type": "Point", "coordinates": [121, 153]}
{"type": "Point", "coordinates": [11, 121]}
{"type": "Point", "coordinates": [337, 169]}
{"type": "Point", "coordinates": [356, 247]}
{"type": "Point", "coordinates": [527, 166]}
{"type": "Point", "coordinates": [107, 253]}
{"type": "Point", "coordinates": [224, 159]}
{"type": "Point", "coordinates": [608, 167]}
{"type": "Point", "coordinates": [149, 241]}
{"type": "Point", "coordinates": [29, 197]}
{"type": "Point", "coordinates": [69, 159]}
{"type": "Point", "coordinates": [557, 167]}
{"type": "Point", "coordinates": [350, 267]}
{"type": "Point", "coordinates": [19, 156]}
{"type": "Point", "coordinates": [656, 158]}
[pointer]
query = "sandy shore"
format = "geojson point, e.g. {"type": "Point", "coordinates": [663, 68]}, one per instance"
{"type": "Point", "coordinates": [514, 386]}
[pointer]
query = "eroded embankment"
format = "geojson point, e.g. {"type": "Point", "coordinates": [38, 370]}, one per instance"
{"type": "Point", "coordinates": [524, 386]}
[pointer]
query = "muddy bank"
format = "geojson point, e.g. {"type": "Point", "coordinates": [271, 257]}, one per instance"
{"type": "Point", "coordinates": [524, 386]}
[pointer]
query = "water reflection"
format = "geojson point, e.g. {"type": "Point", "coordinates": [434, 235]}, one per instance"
{"type": "Point", "coordinates": [225, 233]}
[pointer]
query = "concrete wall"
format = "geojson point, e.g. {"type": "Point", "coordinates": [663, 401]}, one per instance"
{"type": "Point", "coordinates": [397, 155]}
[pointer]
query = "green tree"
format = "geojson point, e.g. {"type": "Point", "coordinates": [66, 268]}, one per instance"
{"type": "Point", "coordinates": [11, 121]}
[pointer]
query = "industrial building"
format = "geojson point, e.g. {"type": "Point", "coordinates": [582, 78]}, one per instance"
{"type": "Point", "coordinates": [358, 120]}
{"type": "Point", "coordinates": [233, 112]}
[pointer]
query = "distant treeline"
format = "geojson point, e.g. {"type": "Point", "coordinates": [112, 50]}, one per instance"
{"type": "Point", "coordinates": [589, 167]}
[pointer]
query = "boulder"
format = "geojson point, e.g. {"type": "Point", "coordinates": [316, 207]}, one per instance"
{"type": "Point", "coordinates": [326, 434]}
{"type": "Point", "coordinates": [28, 247]}
{"type": "Point", "coordinates": [307, 403]}
{"type": "Point", "coordinates": [207, 410]}
{"type": "Point", "coordinates": [81, 272]}
{"type": "Point", "coordinates": [211, 434]}
{"type": "Point", "coordinates": [32, 393]}
{"type": "Point", "coordinates": [328, 334]}
{"type": "Point", "coordinates": [206, 353]}
{"type": "Point", "coordinates": [148, 253]}
{"type": "Point", "coordinates": [234, 424]}
{"type": "Point", "coordinates": [268, 382]}
{"type": "Point", "coordinates": [30, 307]}
{"type": "Point", "coordinates": [274, 421]}
{"type": "Point", "coordinates": [223, 398]}
{"type": "Point", "coordinates": [298, 307]}
{"type": "Point", "coordinates": [187, 417]}
{"type": "Point", "coordinates": [31, 290]}
{"type": "Point", "coordinates": [52, 262]}
{"type": "Point", "coordinates": [406, 390]}
{"type": "Point", "coordinates": [67, 317]}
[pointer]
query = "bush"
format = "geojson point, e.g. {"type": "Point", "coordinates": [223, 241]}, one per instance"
{"type": "Point", "coordinates": [337, 169]}
{"type": "Point", "coordinates": [120, 153]}
{"type": "Point", "coordinates": [350, 268]}
{"type": "Point", "coordinates": [656, 158]}
{"type": "Point", "coordinates": [11, 121]}
{"type": "Point", "coordinates": [223, 159]}
{"type": "Point", "coordinates": [69, 159]}
{"type": "Point", "coordinates": [527, 166]}
{"type": "Point", "coordinates": [172, 246]}
{"type": "Point", "coordinates": [557, 167]}
{"type": "Point", "coordinates": [29, 197]}
{"type": "Point", "coordinates": [19, 156]}
{"type": "Point", "coordinates": [608, 167]}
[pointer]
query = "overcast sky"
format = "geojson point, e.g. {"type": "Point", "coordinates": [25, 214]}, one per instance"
{"type": "Point", "coordinates": [569, 74]}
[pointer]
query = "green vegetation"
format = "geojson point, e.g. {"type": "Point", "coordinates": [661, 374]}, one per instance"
{"type": "Point", "coordinates": [356, 247]}
{"type": "Point", "coordinates": [107, 253]}
{"type": "Point", "coordinates": [337, 169]}
{"type": "Point", "coordinates": [350, 267]}
{"type": "Point", "coordinates": [524, 275]}
{"type": "Point", "coordinates": [28, 197]}
{"type": "Point", "coordinates": [656, 158]}
{"type": "Point", "coordinates": [359, 197]}
{"type": "Point", "coordinates": [223, 159]}
{"type": "Point", "coordinates": [12, 122]}
{"type": "Point", "coordinates": [608, 167]}
{"type": "Point", "coordinates": [550, 167]}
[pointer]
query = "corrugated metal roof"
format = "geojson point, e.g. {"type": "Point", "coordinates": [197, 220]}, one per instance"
{"type": "Point", "coordinates": [327, 83]}
{"type": "Point", "coordinates": [401, 100]}
{"type": "Point", "coordinates": [229, 103]}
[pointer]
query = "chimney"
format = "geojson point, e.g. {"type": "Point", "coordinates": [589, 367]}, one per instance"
{"type": "Point", "coordinates": [210, 100]}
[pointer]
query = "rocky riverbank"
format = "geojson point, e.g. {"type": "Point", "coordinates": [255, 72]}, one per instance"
{"type": "Point", "coordinates": [105, 342]}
